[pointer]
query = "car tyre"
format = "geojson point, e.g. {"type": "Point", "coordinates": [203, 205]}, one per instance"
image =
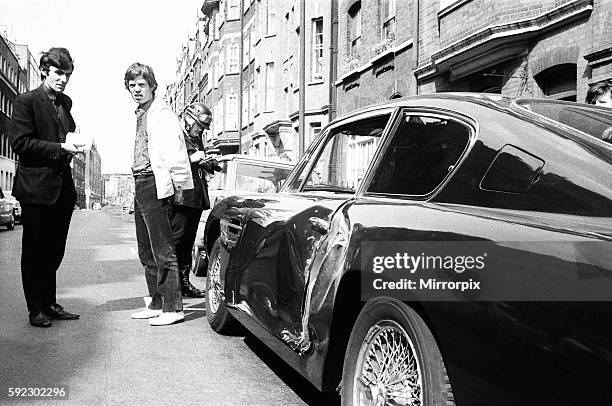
{"type": "Point", "coordinates": [390, 341]}
{"type": "Point", "coordinates": [11, 224]}
{"type": "Point", "coordinates": [217, 314]}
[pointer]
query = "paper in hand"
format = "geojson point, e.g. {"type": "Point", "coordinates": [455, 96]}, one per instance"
{"type": "Point", "coordinates": [80, 140]}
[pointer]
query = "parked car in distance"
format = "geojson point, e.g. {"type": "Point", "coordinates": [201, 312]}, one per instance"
{"type": "Point", "coordinates": [240, 174]}
{"type": "Point", "coordinates": [7, 212]}
{"type": "Point", "coordinates": [16, 205]}
{"type": "Point", "coordinates": [96, 206]}
{"type": "Point", "coordinates": [528, 179]}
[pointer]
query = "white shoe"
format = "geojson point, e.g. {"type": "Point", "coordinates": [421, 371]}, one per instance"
{"type": "Point", "coordinates": [167, 318]}
{"type": "Point", "coordinates": [146, 314]}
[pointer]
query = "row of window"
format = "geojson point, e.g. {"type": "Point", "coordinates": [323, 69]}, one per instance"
{"type": "Point", "coordinates": [5, 148]}
{"type": "Point", "coordinates": [8, 70]}
{"type": "Point", "coordinates": [6, 180]}
{"type": "Point", "coordinates": [387, 26]}
{"type": "Point", "coordinates": [6, 104]}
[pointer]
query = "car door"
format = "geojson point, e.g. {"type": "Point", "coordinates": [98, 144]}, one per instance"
{"type": "Point", "coordinates": [282, 233]}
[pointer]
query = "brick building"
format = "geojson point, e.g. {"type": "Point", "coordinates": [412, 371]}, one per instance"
{"type": "Point", "coordinates": [94, 182]}
{"type": "Point", "coordinates": [118, 188]}
{"type": "Point", "coordinates": [543, 48]}
{"type": "Point", "coordinates": [248, 59]}
{"type": "Point", "coordinates": [359, 52]}
{"type": "Point", "coordinates": [18, 73]}
{"type": "Point", "coordinates": [12, 83]}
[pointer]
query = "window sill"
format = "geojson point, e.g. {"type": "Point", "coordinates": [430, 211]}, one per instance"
{"type": "Point", "coordinates": [315, 82]}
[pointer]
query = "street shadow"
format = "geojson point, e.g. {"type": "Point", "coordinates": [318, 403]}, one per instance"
{"type": "Point", "coordinates": [304, 389]}
{"type": "Point", "coordinates": [193, 315]}
{"type": "Point", "coordinates": [201, 305]}
{"type": "Point", "coordinates": [48, 357]}
{"type": "Point", "coordinates": [118, 305]}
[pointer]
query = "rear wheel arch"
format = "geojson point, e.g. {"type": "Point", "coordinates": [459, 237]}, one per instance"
{"type": "Point", "coordinates": [347, 308]}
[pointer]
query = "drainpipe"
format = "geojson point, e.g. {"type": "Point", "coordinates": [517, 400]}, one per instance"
{"type": "Point", "coordinates": [415, 42]}
{"type": "Point", "coordinates": [302, 103]}
{"type": "Point", "coordinates": [333, 59]}
{"type": "Point", "coordinates": [240, 76]}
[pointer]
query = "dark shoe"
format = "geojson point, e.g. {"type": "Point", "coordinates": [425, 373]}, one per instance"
{"type": "Point", "coordinates": [56, 311]}
{"type": "Point", "coordinates": [187, 289]}
{"type": "Point", "coordinates": [39, 319]}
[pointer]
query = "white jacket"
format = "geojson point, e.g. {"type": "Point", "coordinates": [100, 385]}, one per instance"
{"type": "Point", "coordinates": [167, 151]}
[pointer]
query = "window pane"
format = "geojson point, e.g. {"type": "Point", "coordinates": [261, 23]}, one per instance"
{"type": "Point", "coordinates": [255, 178]}
{"type": "Point", "coordinates": [219, 179]}
{"type": "Point", "coordinates": [424, 150]}
{"type": "Point", "coordinates": [346, 156]}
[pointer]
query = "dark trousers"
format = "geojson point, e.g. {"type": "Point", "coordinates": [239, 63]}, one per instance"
{"type": "Point", "coordinates": [156, 248]}
{"type": "Point", "coordinates": [45, 229]}
{"type": "Point", "coordinates": [185, 225]}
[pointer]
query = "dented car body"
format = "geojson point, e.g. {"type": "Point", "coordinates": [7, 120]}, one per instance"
{"type": "Point", "coordinates": [444, 167]}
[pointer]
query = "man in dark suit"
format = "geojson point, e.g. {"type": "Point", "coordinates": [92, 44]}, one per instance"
{"type": "Point", "coordinates": [43, 183]}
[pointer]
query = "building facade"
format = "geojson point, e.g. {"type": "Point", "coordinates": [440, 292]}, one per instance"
{"type": "Point", "coordinates": [18, 73]}
{"type": "Point", "coordinates": [254, 62]}
{"type": "Point", "coordinates": [118, 188]}
{"type": "Point", "coordinates": [79, 164]}
{"type": "Point", "coordinates": [244, 63]}
{"type": "Point", "coordinates": [540, 48]}
{"type": "Point", "coordinates": [11, 84]}
{"type": "Point", "coordinates": [94, 182]}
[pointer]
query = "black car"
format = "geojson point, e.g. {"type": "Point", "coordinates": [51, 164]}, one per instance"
{"type": "Point", "coordinates": [433, 250]}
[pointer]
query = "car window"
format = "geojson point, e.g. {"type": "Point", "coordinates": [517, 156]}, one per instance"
{"type": "Point", "coordinates": [219, 180]}
{"type": "Point", "coordinates": [346, 155]}
{"type": "Point", "coordinates": [422, 152]}
{"type": "Point", "coordinates": [591, 120]}
{"type": "Point", "coordinates": [259, 178]}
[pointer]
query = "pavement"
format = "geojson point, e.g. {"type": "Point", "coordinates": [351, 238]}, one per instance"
{"type": "Point", "coordinates": [107, 358]}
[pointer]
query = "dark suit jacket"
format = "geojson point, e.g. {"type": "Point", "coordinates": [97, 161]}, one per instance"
{"type": "Point", "coordinates": [198, 196]}
{"type": "Point", "coordinates": [35, 132]}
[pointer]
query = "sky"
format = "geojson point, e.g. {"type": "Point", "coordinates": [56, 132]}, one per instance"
{"type": "Point", "coordinates": [104, 37]}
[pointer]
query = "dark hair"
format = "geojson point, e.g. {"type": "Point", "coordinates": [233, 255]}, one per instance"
{"type": "Point", "coordinates": [596, 90]}
{"type": "Point", "coordinates": [139, 69]}
{"type": "Point", "coordinates": [58, 57]}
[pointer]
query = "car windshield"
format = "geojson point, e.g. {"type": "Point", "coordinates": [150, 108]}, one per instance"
{"type": "Point", "coordinates": [259, 178]}
{"type": "Point", "coordinates": [591, 120]}
{"type": "Point", "coordinates": [218, 181]}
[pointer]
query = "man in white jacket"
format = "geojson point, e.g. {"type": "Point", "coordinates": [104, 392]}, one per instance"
{"type": "Point", "coordinates": [161, 172]}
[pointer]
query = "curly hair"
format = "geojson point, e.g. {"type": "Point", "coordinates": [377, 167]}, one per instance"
{"type": "Point", "coordinates": [139, 69]}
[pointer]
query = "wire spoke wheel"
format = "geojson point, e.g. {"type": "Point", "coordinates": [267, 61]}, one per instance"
{"type": "Point", "coordinates": [388, 370]}
{"type": "Point", "coordinates": [214, 286]}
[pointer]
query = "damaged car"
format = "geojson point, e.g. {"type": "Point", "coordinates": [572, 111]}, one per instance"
{"type": "Point", "coordinates": [526, 181]}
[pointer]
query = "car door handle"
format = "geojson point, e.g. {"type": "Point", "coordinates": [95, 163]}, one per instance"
{"type": "Point", "coordinates": [319, 225]}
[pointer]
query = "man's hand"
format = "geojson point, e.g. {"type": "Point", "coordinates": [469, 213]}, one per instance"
{"type": "Point", "coordinates": [178, 195]}
{"type": "Point", "coordinates": [197, 156]}
{"type": "Point", "coordinates": [73, 148]}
